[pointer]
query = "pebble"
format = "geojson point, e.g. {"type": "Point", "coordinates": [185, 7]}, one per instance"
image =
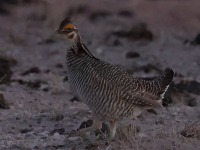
{"type": "Point", "coordinates": [73, 138]}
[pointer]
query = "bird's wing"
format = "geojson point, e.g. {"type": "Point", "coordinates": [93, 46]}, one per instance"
{"type": "Point", "coordinates": [141, 99]}
{"type": "Point", "coordinates": [132, 97]}
{"type": "Point", "coordinates": [129, 95]}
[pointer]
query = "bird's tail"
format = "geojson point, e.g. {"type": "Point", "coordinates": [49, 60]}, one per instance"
{"type": "Point", "coordinates": [164, 81]}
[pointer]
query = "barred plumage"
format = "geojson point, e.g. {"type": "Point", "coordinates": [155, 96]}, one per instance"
{"type": "Point", "coordinates": [110, 92]}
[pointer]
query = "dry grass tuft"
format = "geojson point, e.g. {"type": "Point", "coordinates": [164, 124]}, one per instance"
{"type": "Point", "coordinates": [127, 132]}
{"type": "Point", "coordinates": [192, 130]}
{"type": "Point", "coordinates": [3, 102]}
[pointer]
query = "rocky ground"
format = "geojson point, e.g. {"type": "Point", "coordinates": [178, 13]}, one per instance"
{"type": "Point", "coordinates": [37, 108]}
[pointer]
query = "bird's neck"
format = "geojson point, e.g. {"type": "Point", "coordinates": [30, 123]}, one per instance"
{"type": "Point", "coordinates": [79, 47]}
{"type": "Point", "coordinates": [76, 43]}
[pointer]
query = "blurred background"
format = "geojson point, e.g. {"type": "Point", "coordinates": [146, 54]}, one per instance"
{"type": "Point", "coordinates": [37, 108]}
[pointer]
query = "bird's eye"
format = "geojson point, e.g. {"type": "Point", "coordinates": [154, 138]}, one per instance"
{"type": "Point", "coordinates": [68, 29]}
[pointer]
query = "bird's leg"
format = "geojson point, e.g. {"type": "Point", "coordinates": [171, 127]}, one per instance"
{"type": "Point", "coordinates": [113, 127]}
{"type": "Point", "coordinates": [97, 124]}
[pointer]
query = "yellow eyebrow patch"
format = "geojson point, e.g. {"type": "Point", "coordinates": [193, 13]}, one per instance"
{"type": "Point", "coordinates": [69, 27]}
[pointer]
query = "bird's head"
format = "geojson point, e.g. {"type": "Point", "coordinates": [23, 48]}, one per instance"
{"type": "Point", "coordinates": [68, 29]}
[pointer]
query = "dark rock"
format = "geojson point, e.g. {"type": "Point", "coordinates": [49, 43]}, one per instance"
{"type": "Point", "coordinates": [192, 102]}
{"type": "Point", "coordinates": [3, 102]}
{"type": "Point", "coordinates": [116, 42]}
{"type": "Point", "coordinates": [4, 11]}
{"type": "Point", "coordinates": [31, 70]}
{"type": "Point", "coordinates": [46, 89]}
{"type": "Point", "coordinates": [5, 68]}
{"type": "Point", "coordinates": [36, 147]}
{"type": "Point", "coordinates": [59, 117]}
{"type": "Point", "coordinates": [26, 130]}
{"type": "Point", "coordinates": [35, 84]}
{"type": "Point", "coordinates": [32, 84]}
{"type": "Point", "coordinates": [196, 41]}
{"type": "Point", "coordinates": [59, 66]}
{"type": "Point", "coordinates": [189, 86]}
{"type": "Point", "coordinates": [167, 100]}
{"type": "Point", "coordinates": [3, 6]}
{"type": "Point", "coordinates": [17, 118]}
{"type": "Point", "coordinates": [138, 32]}
{"type": "Point", "coordinates": [74, 99]}
{"type": "Point", "coordinates": [22, 82]}
{"type": "Point", "coordinates": [39, 120]}
{"type": "Point", "coordinates": [92, 146]}
{"type": "Point", "coordinates": [175, 94]}
{"type": "Point", "coordinates": [132, 55]}
{"type": "Point", "coordinates": [125, 13]}
{"type": "Point", "coordinates": [98, 15]}
{"type": "Point", "coordinates": [85, 124]}
{"type": "Point", "coordinates": [18, 147]}
{"type": "Point", "coordinates": [58, 146]}
{"type": "Point", "coordinates": [65, 79]}
{"type": "Point", "coordinates": [60, 131]}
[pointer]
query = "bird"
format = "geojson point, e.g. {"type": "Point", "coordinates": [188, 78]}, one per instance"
{"type": "Point", "coordinates": [111, 93]}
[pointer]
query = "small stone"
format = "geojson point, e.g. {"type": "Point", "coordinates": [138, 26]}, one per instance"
{"type": "Point", "coordinates": [138, 32]}
{"type": "Point", "coordinates": [132, 55]}
{"type": "Point", "coordinates": [99, 50]}
{"type": "Point", "coordinates": [116, 42]}
{"type": "Point", "coordinates": [196, 40]}
{"type": "Point", "coordinates": [59, 65]}
{"type": "Point", "coordinates": [31, 70]}
{"type": "Point", "coordinates": [56, 134]}
{"type": "Point", "coordinates": [75, 138]}
{"type": "Point", "coordinates": [60, 131]}
{"type": "Point", "coordinates": [59, 117]}
{"type": "Point", "coordinates": [26, 130]}
{"type": "Point", "coordinates": [86, 124]}
{"type": "Point", "coordinates": [192, 102]}
{"type": "Point", "coordinates": [74, 99]}
{"type": "Point", "coordinates": [142, 135]}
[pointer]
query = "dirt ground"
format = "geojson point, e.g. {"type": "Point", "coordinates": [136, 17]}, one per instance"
{"type": "Point", "coordinates": [37, 108]}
